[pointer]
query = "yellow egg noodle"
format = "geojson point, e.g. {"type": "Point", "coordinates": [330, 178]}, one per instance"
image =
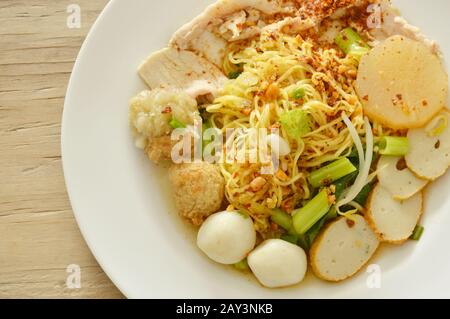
{"type": "Point", "coordinates": [284, 63]}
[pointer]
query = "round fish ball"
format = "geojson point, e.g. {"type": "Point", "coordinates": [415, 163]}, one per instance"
{"type": "Point", "coordinates": [227, 237]}
{"type": "Point", "coordinates": [277, 263]}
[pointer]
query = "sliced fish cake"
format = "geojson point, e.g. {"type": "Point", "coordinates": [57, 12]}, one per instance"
{"type": "Point", "coordinates": [392, 220]}
{"type": "Point", "coordinates": [429, 148]}
{"type": "Point", "coordinates": [401, 83]}
{"type": "Point", "coordinates": [394, 175]}
{"type": "Point", "coordinates": [343, 248]}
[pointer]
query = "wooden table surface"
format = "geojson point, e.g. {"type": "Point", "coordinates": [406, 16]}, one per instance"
{"type": "Point", "coordinates": [39, 237]}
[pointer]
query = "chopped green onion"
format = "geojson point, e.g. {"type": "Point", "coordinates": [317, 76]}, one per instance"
{"type": "Point", "coordinates": [349, 41]}
{"type": "Point", "coordinates": [282, 219]}
{"type": "Point", "coordinates": [305, 217]}
{"type": "Point", "coordinates": [242, 265]}
{"type": "Point", "coordinates": [293, 239]}
{"type": "Point", "coordinates": [174, 123]}
{"type": "Point", "coordinates": [296, 123]}
{"type": "Point", "coordinates": [332, 172]}
{"type": "Point", "coordinates": [417, 233]}
{"type": "Point", "coordinates": [393, 146]}
{"type": "Point", "coordinates": [234, 75]}
{"type": "Point", "coordinates": [298, 93]}
{"type": "Point", "coordinates": [358, 52]}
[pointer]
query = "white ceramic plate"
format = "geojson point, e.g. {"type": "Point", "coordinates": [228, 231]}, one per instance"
{"type": "Point", "coordinates": [122, 202]}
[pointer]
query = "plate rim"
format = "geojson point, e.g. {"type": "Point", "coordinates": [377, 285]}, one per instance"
{"type": "Point", "coordinates": [126, 290]}
{"type": "Point", "coordinates": [63, 146]}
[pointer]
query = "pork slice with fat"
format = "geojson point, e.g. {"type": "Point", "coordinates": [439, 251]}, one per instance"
{"type": "Point", "coordinates": [182, 69]}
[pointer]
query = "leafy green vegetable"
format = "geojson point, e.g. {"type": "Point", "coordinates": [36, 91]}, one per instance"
{"type": "Point", "coordinates": [306, 217]}
{"type": "Point", "coordinates": [348, 181]}
{"type": "Point", "coordinates": [363, 195]}
{"type": "Point", "coordinates": [417, 233]}
{"type": "Point", "coordinates": [243, 214]}
{"type": "Point", "coordinates": [174, 123]}
{"type": "Point", "coordinates": [314, 231]}
{"type": "Point", "coordinates": [293, 239]}
{"type": "Point", "coordinates": [312, 234]}
{"type": "Point", "coordinates": [205, 126]}
{"type": "Point", "coordinates": [331, 172]}
{"type": "Point", "coordinates": [296, 123]}
{"type": "Point", "coordinates": [343, 183]}
{"type": "Point", "coordinates": [204, 114]}
{"type": "Point", "coordinates": [242, 265]}
{"type": "Point", "coordinates": [303, 242]}
{"type": "Point", "coordinates": [282, 219]}
{"type": "Point", "coordinates": [298, 93]}
{"type": "Point", "coordinates": [354, 158]}
{"type": "Point", "coordinates": [234, 75]}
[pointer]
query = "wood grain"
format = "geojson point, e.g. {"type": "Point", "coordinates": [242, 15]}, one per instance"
{"type": "Point", "coordinates": [39, 237]}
